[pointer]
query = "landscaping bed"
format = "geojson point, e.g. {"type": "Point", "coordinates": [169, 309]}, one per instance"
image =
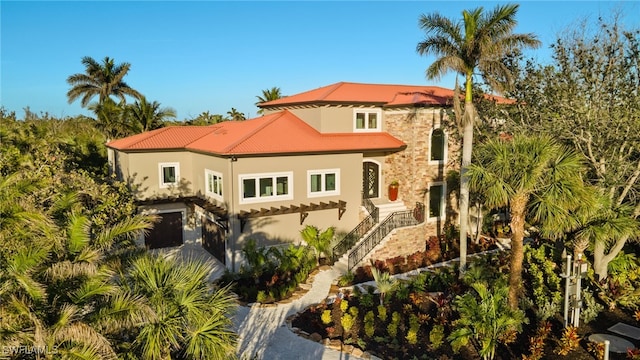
{"type": "Point", "coordinates": [419, 316]}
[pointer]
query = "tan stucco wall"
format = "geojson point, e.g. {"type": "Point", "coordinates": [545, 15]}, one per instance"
{"type": "Point", "coordinates": [330, 118]}
{"type": "Point", "coordinates": [270, 230]}
{"type": "Point", "coordinates": [142, 171]}
{"type": "Point", "coordinates": [200, 162]}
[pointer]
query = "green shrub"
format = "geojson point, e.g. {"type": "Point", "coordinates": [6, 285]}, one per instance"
{"type": "Point", "coordinates": [392, 328]}
{"type": "Point", "coordinates": [344, 305]}
{"type": "Point", "coordinates": [261, 297]}
{"type": "Point", "coordinates": [326, 317]}
{"type": "Point", "coordinates": [347, 322]}
{"type": "Point", "coordinates": [366, 300]}
{"type": "Point", "coordinates": [346, 279]}
{"type": "Point", "coordinates": [382, 313]}
{"type": "Point", "coordinates": [369, 324]}
{"type": "Point", "coordinates": [353, 311]}
{"type": "Point", "coordinates": [436, 336]}
{"type": "Point", "coordinates": [591, 308]}
{"type": "Point", "coordinates": [414, 327]}
{"type": "Point", "coordinates": [545, 283]}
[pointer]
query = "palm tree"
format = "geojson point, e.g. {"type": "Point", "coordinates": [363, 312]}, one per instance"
{"type": "Point", "coordinates": [320, 241]}
{"type": "Point", "coordinates": [235, 115]}
{"type": "Point", "coordinates": [191, 318]}
{"type": "Point", "coordinates": [268, 95]}
{"type": "Point", "coordinates": [58, 292]}
{"type": "Point", "coordinates": [149, 116]}
{"type": "Point", "coordinates": [539, 181]}
{"type": "Point", "coordinates": [384, 282]}
{"type": "Point", "coordinates": [112, 119]}
{"type": "Point", "coordinates": [104, 80]}
{"type": "Point", "coordinates": [600, 226]}
{"type": "Point", "coordinates": [486, 320]}
{"type": "Point", "coordinates": [480, 41]}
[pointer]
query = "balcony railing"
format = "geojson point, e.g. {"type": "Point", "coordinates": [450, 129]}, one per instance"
{"type": "Point", "coordinates": [396, 220]}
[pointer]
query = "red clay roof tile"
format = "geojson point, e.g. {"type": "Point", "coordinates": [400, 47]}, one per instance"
{"type": "Point", "coordinates": [277, 133]}
{"type": "Point", "coordinates": [382, 94]}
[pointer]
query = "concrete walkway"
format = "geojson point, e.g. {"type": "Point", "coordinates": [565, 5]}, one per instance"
{"type": "Point", "coordinates": [263, 333]}
{"type": "Point", "coordinates": [262, 329]}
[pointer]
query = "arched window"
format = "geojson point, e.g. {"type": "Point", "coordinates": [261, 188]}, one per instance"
{"type": "Point", "coordinates": [438, 149]}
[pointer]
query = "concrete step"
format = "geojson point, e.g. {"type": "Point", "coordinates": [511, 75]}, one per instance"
{"type": "Point", "coordinates": [386, 209]}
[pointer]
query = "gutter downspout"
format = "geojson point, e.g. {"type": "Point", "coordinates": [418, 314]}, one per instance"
{"type": "Point", "coordinates": [232, 213]}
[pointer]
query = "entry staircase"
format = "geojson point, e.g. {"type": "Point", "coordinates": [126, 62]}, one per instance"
{"type": "Point", "coordinates": [372, 230]}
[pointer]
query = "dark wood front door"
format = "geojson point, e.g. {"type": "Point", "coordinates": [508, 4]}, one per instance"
{"type": "Point", "coordinates": [167, 232]}
{"type": "Point", "coordinates": [370, 180]}
{"type": "Point", "coordinates": [213, 239]}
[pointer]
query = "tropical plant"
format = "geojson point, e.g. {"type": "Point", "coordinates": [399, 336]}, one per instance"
{"type": "Point", "coordinates": [112, 119]}
{"type": "Point", "coordinates": [58, 292]}
{"type": "Point", "coordinates": [478, 42]}
{"type": "Point", "coordinates": [588, 98]}
{"type": "Point", "coordinates": [569, 341]}
{"type": "Point", "coordinates": [539, 180]}
{"type": "Point", "coordinates": [206, 118]}
{"type": "Point", "coordinates": [384, 282]}
{"type": "Point", "coordinates": [149, 115]}
{"type": "Point", "coordinates": [102, 79]}
{"type": "Point", "coordinates": [486, 318]}
{"type": "Point", "coordinates": [268, 95]}
{"type": "Point", "coordinates": [545, 285]}
{"type": "Point", "coordinates": [320, 241]}
{"type": "Point", "coordinates": [235, 115]}
{"type": "Point", "coordinates": [191, 318]}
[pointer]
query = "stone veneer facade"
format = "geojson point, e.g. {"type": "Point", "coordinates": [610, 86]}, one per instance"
{"type": "Point", "coordinates": [411, 168]}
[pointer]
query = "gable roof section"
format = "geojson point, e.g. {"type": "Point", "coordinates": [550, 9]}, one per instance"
{"type": "Point", "coordinates": [278, 133]}
{"type": "Point", "coordinates": [379, 94]}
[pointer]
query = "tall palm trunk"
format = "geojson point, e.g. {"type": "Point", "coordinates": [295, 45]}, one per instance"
{"type": "Point", "coordinates": [467, 147]}
{"type": "Point", "coordinates": [518, 206]}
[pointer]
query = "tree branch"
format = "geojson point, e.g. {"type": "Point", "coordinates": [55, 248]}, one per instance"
{"type": "Point", "coordinates": [630, 183]}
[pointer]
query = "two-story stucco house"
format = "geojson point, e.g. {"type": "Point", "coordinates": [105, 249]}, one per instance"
{"type": "Point", "coordinates": [313, 158]}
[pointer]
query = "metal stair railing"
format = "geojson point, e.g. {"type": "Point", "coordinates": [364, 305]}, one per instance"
{"type": "Point", "coordinates": [356, 234]}
{"type": "Point", "coordinates": [371, 208]}
{"type": "Point", "coordinates": [396, 220]}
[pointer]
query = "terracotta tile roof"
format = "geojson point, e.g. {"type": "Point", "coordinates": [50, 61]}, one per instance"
{"type": "Point", "coordinates": [277, 133]}
{"type": "Point", "coordinates": [381, 94]}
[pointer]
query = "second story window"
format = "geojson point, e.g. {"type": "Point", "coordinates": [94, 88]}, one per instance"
{"type": "Point", "coordinates": [169, 174]}
{"type": "Point", "coordinates": [367, 120]}
{"type": "Point", "coordinates": [213, 184]}
{"type": "Point", "coordinates": [323, 182]}
{"type": "Point", "coordinates": [266, 187]}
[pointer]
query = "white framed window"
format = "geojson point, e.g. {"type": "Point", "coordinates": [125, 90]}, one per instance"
{"type": "Point", "coordinates": [323, 182]}
{"type": "Point", "coordinates": [169, 174]}
{"type": "Point", "coordinates": [437, 192]}
{"type": "Point", "coordinates": [437, 146]}
{"type": "Point", "coordinates": [213, 184]}
{"type": "Point", "coordinates": [367, 120]}
{"type": "Point", "coordinates": [265, 187]}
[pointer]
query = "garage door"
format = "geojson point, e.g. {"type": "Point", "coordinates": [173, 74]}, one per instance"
{"type": "Point", "coordinates": [165, 233]}
{"type": "Point", "coordinates": [213, 238]}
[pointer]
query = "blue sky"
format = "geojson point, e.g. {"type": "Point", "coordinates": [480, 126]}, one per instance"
{"type": "Point", "coordinates": [214, 55]}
